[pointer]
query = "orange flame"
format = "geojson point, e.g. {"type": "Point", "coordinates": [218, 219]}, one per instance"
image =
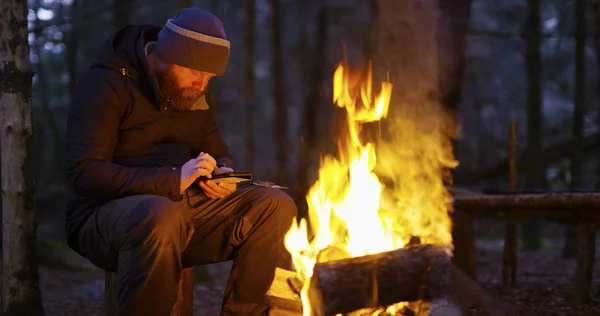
{"type": "Point", "coordinates": [346, 211]}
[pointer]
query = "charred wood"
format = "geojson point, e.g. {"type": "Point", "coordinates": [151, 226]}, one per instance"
{"type": "Point", "coordinates": [403, 275]}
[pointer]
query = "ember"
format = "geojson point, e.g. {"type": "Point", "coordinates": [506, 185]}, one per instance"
{"type": "Point", "coordinates": [352, 214]}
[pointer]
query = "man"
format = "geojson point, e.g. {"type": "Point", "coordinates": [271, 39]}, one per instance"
{"type": "Point", "coordinates": [141, 130]}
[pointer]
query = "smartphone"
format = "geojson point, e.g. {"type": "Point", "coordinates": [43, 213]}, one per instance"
{"type": "Point", "coordinates": [229, 177]}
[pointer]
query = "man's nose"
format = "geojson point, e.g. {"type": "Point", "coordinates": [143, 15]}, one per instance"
{"type": "Point", "coordinates": [200, 84]}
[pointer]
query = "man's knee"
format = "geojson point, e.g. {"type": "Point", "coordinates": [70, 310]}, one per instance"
{"type": "Point", "coordinates": [283, 207]}
{"type": "Point", "coordinates": [159, 219]}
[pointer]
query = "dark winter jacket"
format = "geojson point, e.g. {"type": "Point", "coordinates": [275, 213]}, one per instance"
{"type": "Point", "coordinates": [122, 139]}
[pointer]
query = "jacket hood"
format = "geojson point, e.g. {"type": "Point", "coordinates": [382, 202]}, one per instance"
{"type": "Point", "coordinates": [124, 52]}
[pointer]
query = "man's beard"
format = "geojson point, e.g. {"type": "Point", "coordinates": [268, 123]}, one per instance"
{"type": "Point", "coordinates": [180, 98]}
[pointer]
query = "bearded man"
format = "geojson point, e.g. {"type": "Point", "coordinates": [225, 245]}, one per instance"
{"type": "Point", "coordinates": [141, 130]}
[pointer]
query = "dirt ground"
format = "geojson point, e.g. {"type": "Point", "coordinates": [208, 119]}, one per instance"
{"type": "Point", "coordinates": [69, 293]}
{"type": "Point", "coordinates": [543, 279]}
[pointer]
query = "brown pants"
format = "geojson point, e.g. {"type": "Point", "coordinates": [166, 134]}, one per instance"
{"type": "Point", "coordinates": [148, 239]}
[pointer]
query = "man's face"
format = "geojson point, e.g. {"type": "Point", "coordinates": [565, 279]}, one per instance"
{"type": "Point", "coordinates": [183, 86]}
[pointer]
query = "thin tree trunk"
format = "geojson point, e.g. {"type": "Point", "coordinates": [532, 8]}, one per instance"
{"type": "Point", "coordinates": [281, 122]}
{"type": "Point", "coordinates": [122, 12]}
{"type": "Point", "coordinates": [314, 75]}
{"type": "Point", "coordinates": [570, 246]}
{"type": "Point", "coordinates": [371, 29]}
{"type": "Point", "coordinates": [71, 53]}
{"type": "Point", "coordinates": [182, 4]}
{"type": "Point", "coordinates": [215, 7]}
{"type": "Point", "coordinates": [54, 163]}
{"type": "Point", "coordinates": [21, 292]}
{"type": "Point", "coordinates": [453, 24]}
{"type": "Point", "coordinates": [452, 27]}
{"type": "Point", "coordinates": [406, 48]}
{"type": "Point", "coordinates": [249, 87]}
{"type": "Point", "coordinates": [215, 83]}
{"type": "Point", "coordinates": [596, 14]}
{"type": "Point", "coordinates": [534, 171]}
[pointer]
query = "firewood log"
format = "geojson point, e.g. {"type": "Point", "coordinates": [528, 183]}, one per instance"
{"type": "Point", "coordinates": [281, 298]}
{"type": "Point", "coordinates": [420, 272]}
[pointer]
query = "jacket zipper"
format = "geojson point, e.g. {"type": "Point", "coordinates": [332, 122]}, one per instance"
{"type": "Point", "coordinates": [124, 72]}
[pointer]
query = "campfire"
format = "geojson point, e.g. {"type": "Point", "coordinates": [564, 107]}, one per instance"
{"type": "Point", "coordinates": [379, 228]}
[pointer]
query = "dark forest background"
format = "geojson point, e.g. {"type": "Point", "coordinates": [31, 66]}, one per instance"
{"type": "Point", "coordinates": [532, 63]}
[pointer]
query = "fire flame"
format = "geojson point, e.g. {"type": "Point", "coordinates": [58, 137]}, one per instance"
{"type": "Point", "coordinates": [351, 213]}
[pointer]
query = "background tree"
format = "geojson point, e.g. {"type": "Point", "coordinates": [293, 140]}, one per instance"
{"type": "Point", "coordinates": [250, 84]}
{"type": "Point", "coordinates": [489, 91]}
{"type": "Point", "coordinates": [576, 181]}
{"type": "Point", "coordinates": [280, 120]}
{"type": "Point", "coordinates": [21, 292]}
{"type": "Point", "coordinates": [596, 18]}
{"type": "Point", "coordinates": [534, 171]}
{"type": "Point", "coordinates": [181, 4]}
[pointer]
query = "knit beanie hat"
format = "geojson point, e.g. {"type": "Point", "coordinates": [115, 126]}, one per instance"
{"type": "Point", "coordinates": [194, 39]}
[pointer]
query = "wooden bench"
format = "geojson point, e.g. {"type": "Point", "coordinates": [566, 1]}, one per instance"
{"type": "Point", "coordinates": [580, 208]}
{"type": "Point", "coordinates": [185, 299]}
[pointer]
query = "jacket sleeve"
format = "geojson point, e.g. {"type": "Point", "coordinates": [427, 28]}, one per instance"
{"type": "Point", "coordinates": [98, 105]}
{"type": "Point", "coordinates": [212, 140]}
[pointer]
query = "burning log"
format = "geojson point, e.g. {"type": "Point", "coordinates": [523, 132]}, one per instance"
{"type": "Point", "coordinates": [414, 273]}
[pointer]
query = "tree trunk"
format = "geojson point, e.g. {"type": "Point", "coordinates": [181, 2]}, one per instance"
{"type": "Point", "coordinates": [313, 66]}
{"type": "Point", "coordinates": [534, 171]}
{"type": "Point", "coordinates": [570, 245]}
{"type": "Point", "coordinates": [53, 157]}
{"type": "Point", "coordinates": [215, 87]}
{"type": "Point", "coordinates": [21, 292]}
{"type": "Point", "coordinates": [412, 67]}
{"type": "Point", "coordinates": [452, 28]}
{"type": "Point", "coordinates": [453, 24]}
{"type": "Point", "coordinates": [215, 6]}
{"type": "Point", "coordinates": [281, 122]}
{"type": "Point", "coordinates": [249, 86]}
{"type": "Point", "coordinates": [122, 12]}
{"type": "Point", "coordinates": [182, 4]}
{"type": "Point", "coordinates": [71, 53]}
{"type": "Point", "coordinates": [596, 14]}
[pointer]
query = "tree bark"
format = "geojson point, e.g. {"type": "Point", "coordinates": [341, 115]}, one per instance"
{"type": "Point", "coordinates": [534, 171]}
{"type": "Point", "coordinates": [71, 53]}
{"type": "Point", "coordinates": [452, 28]}
{"type": "Point", "coordinates": [249, 86]}
{"type": "Point", "coordinates": [122, 12]}
{"type": "Point", "coordinates": [314, 65]}
{"type": "Point", "coordinates": [596, 15]}
{"type": "Point", "coordinates": [403, 275]}
{"type": "Point", "coordinates": [406, 48]}
{"type": "Point", "coordinates": [21, 292]}
{"type": "Point", "coordinates": [55, 163]}
{"type": "Point", "coordinates": [281, 121]}
{"type": "Point", "coordinates": [453, 24]}
{"type": "Point", "coordinates": [215, 85]}
{"type": "Point", "coordinates": [182, 4]}
{"type": "Point", "coordinates": [570, 245]}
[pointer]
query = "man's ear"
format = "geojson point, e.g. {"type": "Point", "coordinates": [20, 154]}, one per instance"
{"type": "Point", "coordinates": [150, 48]}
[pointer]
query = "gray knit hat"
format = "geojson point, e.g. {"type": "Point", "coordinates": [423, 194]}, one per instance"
{"type": "Point", "coordinates": [194, 39]}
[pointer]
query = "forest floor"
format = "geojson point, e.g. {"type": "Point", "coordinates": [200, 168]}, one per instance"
{"type": "Point", "coordinates": [543, 280]}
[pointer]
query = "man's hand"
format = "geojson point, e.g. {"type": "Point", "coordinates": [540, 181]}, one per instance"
{"type": "Point", "coordinates": [218, 190]}
{"type": "Point", "coordinates": [203, 165]}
